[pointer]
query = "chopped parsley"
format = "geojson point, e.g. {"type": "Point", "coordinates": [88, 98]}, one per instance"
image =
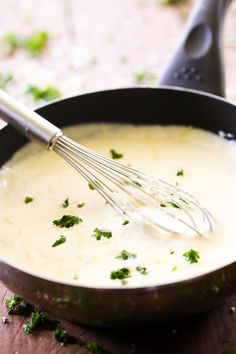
{"type": "Point", "coordinates": [191, 256]}
{"type": "Point", "coordinates": [174, 268]}
{"type": "Point", "coordinates": [173, 205]}
{"type": "Point", "coordinates": [46, 93]}
{"type": "Point", "coordinates": [183, 200]}
{"type": "Point", "coordinates": [172, 2]}
{"type": "Point", "coordinates": [93, 348]}
{"type": "Point", "coordinates": [126, 255]}
{"type": "Point", "coordinates": [28, 200]}
{"type": "Point", "coordinates": [58, 242]}
{"type": "Point", "coordinates": [4, 79]}
{"type": "Point", "coordinates": [91, 186]}
{"type": "Point", "coordinates": [10, 42]}
{"type": "Point", "coordinates": [162, 205]}
{"type": "Point", "coordinates": [180, 172]}
{"type": "Point", "coordinates": [67, 221]}
{"type": "Point", "coordinates": [142, 270]}
{"type": "Point", "coordinates": [80, 205]}
{"type": "Point", "coordinates": [115, 155]}
{"type": "Point", "coordinates": [125, 222]}
{"type": "Point", "coordinates": [98, 233]}
{"type": "Point", "coordinates": [61, 335]}
{"type": "Point", "coordinates": [65, 204]}
{"type": "Point", "coordinates": [16, 304]}
{"type": "Point", "coordinates": [137, 183]}
{"type": "Point", "coordinates": [172, 252]}
{"type": "Point", "coordinates": [36, 319]}
{"type": "Point", "coordinates": [144, 77]}
{"type": "Point", "coordinates": [122, 274]}
{"type": "Point", "coordinates": [36, 43]}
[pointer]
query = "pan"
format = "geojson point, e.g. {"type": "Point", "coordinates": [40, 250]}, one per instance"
{"type": "Point", "coordinates": [195, 67]}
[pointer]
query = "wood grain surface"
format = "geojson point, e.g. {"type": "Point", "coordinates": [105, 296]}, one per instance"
{"type": "Point", "coordinates": [97, 45]}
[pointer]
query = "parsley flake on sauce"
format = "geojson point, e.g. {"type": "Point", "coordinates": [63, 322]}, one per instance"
{"type": "Point", "coordinates": [142, 270]}
{"type": "Point", "coordinates": [191, 256]}
{"type": "Point", "coordinates": [46, 93]}
{"type": "Point", "coordinates": [180, 172]}
{"type": "Point", "coordinates": [65, 204]}
{"type": "Point", "coordinates": [28, 200]}
{"type": "Point", "coordinates": [58, 242]}
{"type": "Point", "coordinates": [99, 233]}
{"type": "Point", "coordinates": [125, 222]}
{"type": "Point", "coordinates": [122, 274]}
{"type": "Point", "coordinates": [80, 205]}
{"type": "Point", "coordinates": [115, 155]}
{"type": "Point", "coordinates": [126, 255]}
{"type": "Point", "coordinates": [67, 221]}
{"type": "Point", "coordinates": [36, 42]}
{"type": "Point", "coordinates": [173, 205]}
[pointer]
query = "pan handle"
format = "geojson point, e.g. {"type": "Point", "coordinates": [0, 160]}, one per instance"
{"type": "Point", "coordinates": [197, 60]}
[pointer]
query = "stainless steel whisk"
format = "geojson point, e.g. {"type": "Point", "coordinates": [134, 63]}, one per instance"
{"type": "Point", "coordinates": [132, 193]}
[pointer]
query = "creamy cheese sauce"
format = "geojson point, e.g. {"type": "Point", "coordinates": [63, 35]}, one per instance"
{"type": "Point", "coordinates": [27, 232]}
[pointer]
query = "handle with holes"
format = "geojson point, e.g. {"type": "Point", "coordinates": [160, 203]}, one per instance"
{"type": "Point", "coordinates": [197, 61]}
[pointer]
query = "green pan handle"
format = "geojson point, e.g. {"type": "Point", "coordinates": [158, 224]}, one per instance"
{"type": "Point", "coordinates": [197, 61]}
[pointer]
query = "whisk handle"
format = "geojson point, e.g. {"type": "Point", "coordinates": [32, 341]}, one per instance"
{"type": "Point", "coordinates": [26, 121]}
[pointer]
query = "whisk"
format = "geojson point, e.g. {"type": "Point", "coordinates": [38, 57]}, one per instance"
{"type": "Point", "coordinates": [133, 193]}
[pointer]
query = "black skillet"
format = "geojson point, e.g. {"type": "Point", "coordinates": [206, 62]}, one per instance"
{"type": "Point", "coordinates": [196, 63]}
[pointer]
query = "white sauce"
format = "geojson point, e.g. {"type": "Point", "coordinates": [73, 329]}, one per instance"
{"type": "Point", "coordinates": [27, 232]}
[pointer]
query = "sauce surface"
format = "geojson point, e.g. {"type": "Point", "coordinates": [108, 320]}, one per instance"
{"type": "Point", "coordinates": [27, 233]}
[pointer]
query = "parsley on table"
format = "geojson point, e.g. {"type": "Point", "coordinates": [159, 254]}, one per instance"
{"type": "Point", "coordinates": [58, 242]}
{"type": "Point", "coordinates": [191, 256]}
{"type": "Point", "coordinates": [67, 221]}
{"type": "Point", "coordinates": [16, 304]}
{"type": "Point", "coordinates": [80, 205]}
{"type": "Point", "coordinates": [36, 42]}
{"type": "Point", "coordinates": [46, 93]}
{"type": "Point", "coordinates": [125, 222]}
{"type": "Point", "coordinates": [61, 335]}
{"type": "Point", "coordinates": [93, 348]}
{"type": "Point", "coordinates": [36, 319]}
{"type": "Point", "coordinates": [65, 204]}
{"type": "Point", "coordinates": [98, 233]}
{"type": "Point", "coordinates": [28, 200]}
{"type": "Point", "coordinates": [115, 155]}
{"type": "Point", "coordinates": [126, 255]}
{"type": "Point", "coordinates": [180, 172]}
{"type": "Point", "coordinates": [122, 274]}
{"type": "Point", "coordinates": [4, 79]}
{"type": "Point", "coordinates": [142, 270]}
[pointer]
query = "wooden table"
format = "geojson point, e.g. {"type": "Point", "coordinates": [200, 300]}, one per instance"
{"type": "Point", "coordinates": [99, 45]}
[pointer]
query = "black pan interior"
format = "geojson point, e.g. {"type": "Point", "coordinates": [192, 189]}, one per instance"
{"type": "Point", "coordinates": [135, 105]}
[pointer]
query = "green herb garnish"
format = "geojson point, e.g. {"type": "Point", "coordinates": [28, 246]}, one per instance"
{"type": "Point", "coordinates": [93, 348]}
{"type": "Point", "coordinates": [80, 205]}
{"type": "Point", "coordinates": [173, 205]}
{"type": "Point", "coordinates": [121, 274]}
{"type": "Point", "coordinates": [4, 79]}
{"type": "Point", "coordinates": [172, 252]}
{"type": "Point", "coordinates": [67, 221]}
{"type": "Point", "coordinates": [137, 183]}
{"type": "Point", "coordinates": [162, 205]}
{"type": "Point", "coordinates": [98, 233]}
{"type": "Point", "coordinates": [142, 270]}
{"type": "Point", "coordinates": [65, 204]}
{"type": "Point", "coordinates": [91, 186]}
{"type": "Point", "coordinates": [35, 320]}
{"type": "Point", "coordinates": [174, 268]}
{"type": "Point", "coordinates": [58, 242]}
{"type": "Point", "coordinates": [180, 172]}
{"type": "Point", "coordinates": [126, 255]}
{"type": "Point", "coordinates": [184, 201]}
{"type": "Point", "coordinates": [61, 335]}
{"type": "Point", "coordinates": [191, 256]}
{"type": "Point", "coordinates": [125, 222]}
{"type": "Point", "coordinates": [36, 43]}
{"type": "Point", "coordinates": [172, 2]}
{"type": "Point", "coordinates": [115, 155]}
{"type": "Point", "coordinates": [144, 77]}
{"type": "Point", "coordinates": [16, 304]}
{"type": "Point", "coordinates": [28, 200]}
{"type": "Point", "coordinates": [10, 42]}
{"type": "Point", "coordinates": [46, 93]}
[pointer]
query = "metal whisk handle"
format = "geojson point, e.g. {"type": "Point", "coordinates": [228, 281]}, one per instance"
{"type": "Point", "coordinates": [27, 122]}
